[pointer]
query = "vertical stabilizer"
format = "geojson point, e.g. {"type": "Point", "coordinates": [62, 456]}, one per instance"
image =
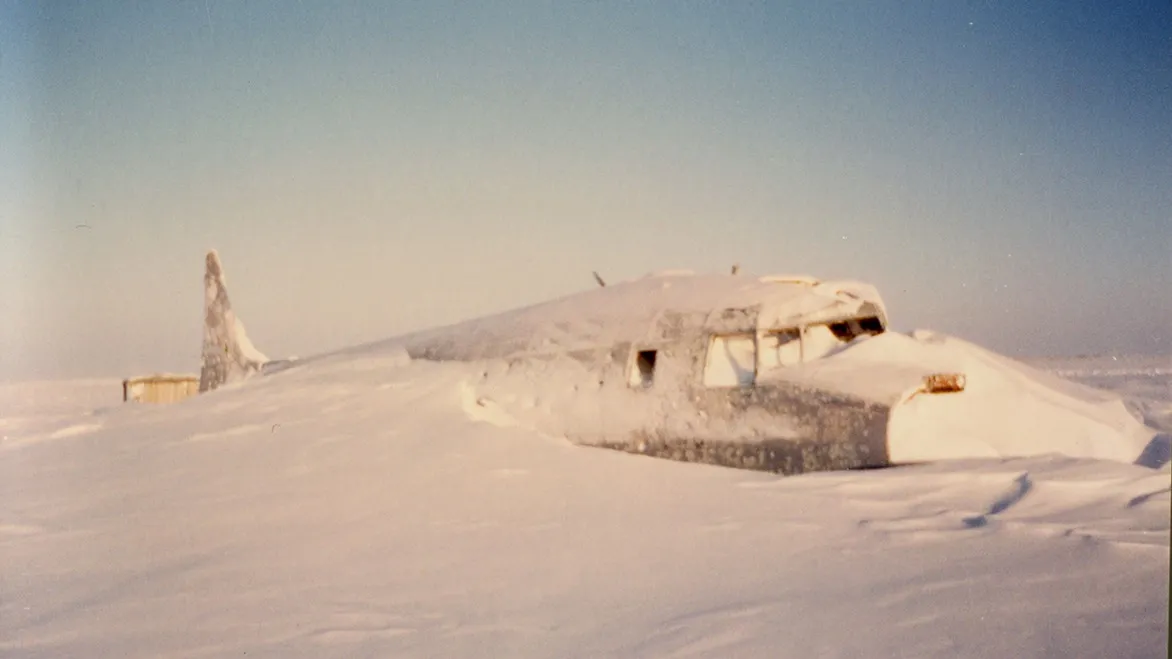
{"type": "Point", "coordinates": [228, 355]}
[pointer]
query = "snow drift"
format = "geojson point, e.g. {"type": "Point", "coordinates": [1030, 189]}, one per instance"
{"type": "Point", "coordinates": [354, 508]}
{"type": "Point", "coordinates": [1007, 408]}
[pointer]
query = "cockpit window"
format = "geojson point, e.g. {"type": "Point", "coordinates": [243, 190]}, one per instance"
{"type": "Point", "coordinates": [731, 361]}
{"type": "Point", "coordinates": [821, 340]}
{"type": "Point", "coordinates": [780, 348]}
{"type": "Point", "coordinates": [842, 331]}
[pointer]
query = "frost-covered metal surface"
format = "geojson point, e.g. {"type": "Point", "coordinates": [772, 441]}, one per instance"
{"type": "Point", "coordinates": [627, 311]}
{"type": "Point", "coordinates": [783, 429]}
{"type": "Point", "coordinates": [588, 397]}
{"type": "Point", "coordinates": [227, 354]}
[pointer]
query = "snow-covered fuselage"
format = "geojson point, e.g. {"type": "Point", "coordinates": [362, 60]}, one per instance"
{"type": "Point", "coordinates": [784, 374]}
{"type": "Point", "coordinates": [670, 366]}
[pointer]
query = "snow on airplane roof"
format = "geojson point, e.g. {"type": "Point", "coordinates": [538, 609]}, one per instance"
{"type": "Point", "coordinates": [625, 311]}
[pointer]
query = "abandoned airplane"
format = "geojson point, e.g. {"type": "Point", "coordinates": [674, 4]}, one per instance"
{"type": "Point", "coordinates": [776, 373]}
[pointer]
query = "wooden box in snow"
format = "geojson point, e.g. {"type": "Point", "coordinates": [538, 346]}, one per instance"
{"type": "Point", "coordinates": [159, 388]}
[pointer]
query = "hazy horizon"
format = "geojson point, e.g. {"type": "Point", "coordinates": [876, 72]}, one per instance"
{"type": "Point", "coordinates": [999, 170]}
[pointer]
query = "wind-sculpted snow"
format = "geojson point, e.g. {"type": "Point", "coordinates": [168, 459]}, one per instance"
{"type": "Point", "coordinates": [376, 507]}
{"type": "Point", "coordinates": [1146, 381]}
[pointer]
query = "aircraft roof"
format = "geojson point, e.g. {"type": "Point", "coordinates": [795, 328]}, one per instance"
{"type": "Point", "coordinates": [625, 311]}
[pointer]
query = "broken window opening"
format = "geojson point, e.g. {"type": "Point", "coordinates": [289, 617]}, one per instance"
{"type": "Point", "coordinates": [731, 361]}
{"type": "Point", "coordinates": [820, 340]}
{"type": "Point", "coordinates": [849, 330]}
{"type": "Point", "coordinates": [643, 373]}
{"type": "Point", "coordinates": [871, 325]}
{"type": "Point", "coordinates": [841, 331]}
{"type": "Point", "coordinates": [779, 348]}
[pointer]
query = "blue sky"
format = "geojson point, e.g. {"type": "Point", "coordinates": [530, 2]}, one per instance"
{"type": "Point", "coordinates": [999, 169]}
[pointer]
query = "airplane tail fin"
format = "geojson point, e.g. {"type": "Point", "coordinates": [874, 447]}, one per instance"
{"type": "Point", "coordinates": [228, 354]}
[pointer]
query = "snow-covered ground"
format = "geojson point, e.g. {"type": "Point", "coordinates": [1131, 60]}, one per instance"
{"type": "Point", "coordinates": [1145, 380]}
{"type": "Point", "coordinates": [30, 409]}
{"type": "Point", "coordinates": [363, 507]}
